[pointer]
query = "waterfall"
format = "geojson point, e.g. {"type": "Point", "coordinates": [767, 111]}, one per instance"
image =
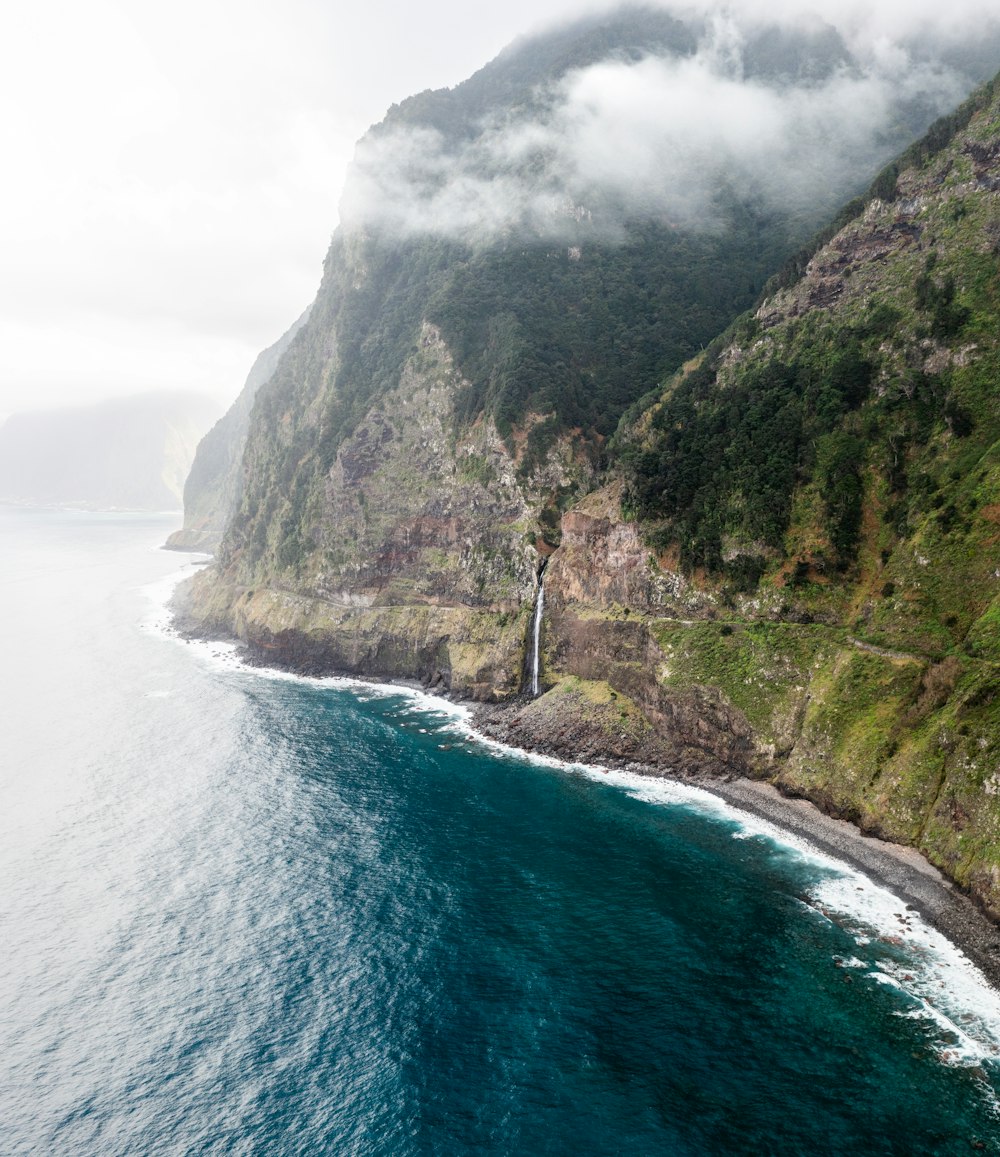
{"type": "Point", "coordinates": [539, 607]}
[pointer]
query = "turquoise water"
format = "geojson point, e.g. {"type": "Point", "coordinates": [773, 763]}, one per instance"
{"type": "Point", "coordinates": [257, 915]}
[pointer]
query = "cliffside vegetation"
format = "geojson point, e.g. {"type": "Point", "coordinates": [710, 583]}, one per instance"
{"type": "Point", "coordinates": [565, 276]}
{"type": "Point", "coordinates": [851, 421]}
{"type": "Point", "coordinates": [828, 477]}
{"type": "Point", "coordinates": [784, 560]}
{"type": "Point", "coordinates": [865, 378]}
{"type": "Point", "coordinates": [214, 483]}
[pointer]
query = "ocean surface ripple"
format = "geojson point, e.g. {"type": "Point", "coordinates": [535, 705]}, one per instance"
{"type": "Point", "coordinates": [249, 913]}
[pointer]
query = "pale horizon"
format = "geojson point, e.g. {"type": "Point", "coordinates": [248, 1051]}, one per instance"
{"type": "Point", "coordinates": [175, 175]}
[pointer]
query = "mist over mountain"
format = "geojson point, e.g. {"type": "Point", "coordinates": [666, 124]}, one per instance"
{"type": "Point", "coordinates": [576, 220]}
{"type": "Point", "coordinates": [128, 453]}
{"type": "Point", "coordinates": [577, 335]}
{"type": "Point", "coordinates": [579, 133]}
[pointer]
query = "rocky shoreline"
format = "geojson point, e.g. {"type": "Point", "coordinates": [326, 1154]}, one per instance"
{"type": "Point", "coordinates": [900, 869]}
{"type": "Point", "coordinates": [575, 729]}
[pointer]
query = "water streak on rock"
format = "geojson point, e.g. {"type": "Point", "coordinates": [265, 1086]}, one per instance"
{"type": "Point", "coordinates": [537, 633]}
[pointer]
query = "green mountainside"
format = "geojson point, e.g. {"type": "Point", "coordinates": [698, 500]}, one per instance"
{"type": "Point", "coordinates": [560, 309]}
{"type": "Point", "coordinates": [848, 427]}
{"type": "Point", "coordinates": [825, 485]}
{"type": "Point", "coordinates": [772, 552]}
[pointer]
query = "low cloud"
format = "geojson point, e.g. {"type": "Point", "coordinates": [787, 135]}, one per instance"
{"type": "Point", "coordinates": [659, 136]}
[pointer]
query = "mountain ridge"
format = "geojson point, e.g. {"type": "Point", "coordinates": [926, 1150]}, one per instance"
{"type": "Point", "coordinates": [213, 484]}
{"type": "Point", "coordinates": [766, 615]}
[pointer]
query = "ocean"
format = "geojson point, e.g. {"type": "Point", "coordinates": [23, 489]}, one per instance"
{"type": "Point", "coordinates": [248, 913]}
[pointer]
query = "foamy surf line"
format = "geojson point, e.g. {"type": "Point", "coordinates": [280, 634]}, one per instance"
{"type": "Point", "coordinates": [225, 656]}
{"type": "Point", "coordinates": [896, 947]}
{"type": "Point", "coordinates": [934, 979]}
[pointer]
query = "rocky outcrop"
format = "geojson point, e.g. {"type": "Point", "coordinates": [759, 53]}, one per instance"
{"type": "Point", "coordinates": [410, 513]}
{"type": "Point", "coordinates": [604, 561]}
{"type": "Point", "coordinates": [592, 721]}
{"type": "Point", "coordinates": [452, 649]}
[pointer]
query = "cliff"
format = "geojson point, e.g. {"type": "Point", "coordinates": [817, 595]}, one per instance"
{"type": "Point", "coordinates": [213, 483]}
{"type": "Point", "coordinates": [429, 560]}
{"type": "Point", "coordinates": [783, 564]}
{"type": "Point", "coordinates": [816, 554]}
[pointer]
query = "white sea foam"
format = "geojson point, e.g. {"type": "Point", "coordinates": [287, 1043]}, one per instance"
{"type": "Point", "coordinates": [849, 962]}
{"type": "Point", "coordinates": [226, 656]}
{"type": "Point", "coordinates": [934, 979]}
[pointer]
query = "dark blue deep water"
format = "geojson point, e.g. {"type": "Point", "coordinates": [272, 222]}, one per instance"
{"type": "Point", "coordinates": [251, 915]}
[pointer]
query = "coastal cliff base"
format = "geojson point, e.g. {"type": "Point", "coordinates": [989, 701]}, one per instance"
{"type": "Point", "coordinates": [901, 745]}
{"type": "Point", "coordinates": [685, 735]}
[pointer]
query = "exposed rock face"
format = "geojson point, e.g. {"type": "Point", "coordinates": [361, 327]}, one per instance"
{"type": "Point", "coordinates": [604, 561]}
{"type": "Point", "coordinates": [411, 513]}
{"type": "Point", "coordinates": [449, 648]}
{"type": "Point", "coordinates": [421, 560]}
{"type": "Point", "coordinates": [214, 480]}
{"type": "Point", "coordinates": [382, 531]}
{"type": "Point", "coordinates": [592, 721]}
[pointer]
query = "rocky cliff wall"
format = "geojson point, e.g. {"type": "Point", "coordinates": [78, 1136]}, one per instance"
{"type": "Point", "coordinates": [213, 481]}
{"type": "Point", "coordinates": [823, 613]}
{"type": "Point", "coordinates": [421, 552]}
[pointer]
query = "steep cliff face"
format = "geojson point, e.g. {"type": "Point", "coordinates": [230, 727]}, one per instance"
{"type": "Point", "coordinates": [904, 743]}
{"type": "Point", "coordinates": [792, 572]}
{"type": "Point", "coordinates": [837, 623]}
{"type": "Point", "coordinates": [423, 555]}
{"type": "Point", "coordinates": [212, 481]}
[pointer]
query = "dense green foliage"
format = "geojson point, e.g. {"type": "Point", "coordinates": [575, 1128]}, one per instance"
{"type": "Point", "coordinates": [581, 335]}
{"type": "Point", "coordinates": [725, 462]}
{"type": "Point", "coordinates": [725, 458]}
{"type": "Point", "coordinates": [573, 333]}
{"type": "Point", "coordinates": [883, 399]}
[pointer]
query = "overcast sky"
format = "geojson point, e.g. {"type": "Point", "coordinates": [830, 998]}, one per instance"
{"type": "Point", "coordinates": [172, 171]}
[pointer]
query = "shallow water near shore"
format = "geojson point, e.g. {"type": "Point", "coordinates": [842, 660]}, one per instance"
{"type": "Point", "coordinates": [250, 913]}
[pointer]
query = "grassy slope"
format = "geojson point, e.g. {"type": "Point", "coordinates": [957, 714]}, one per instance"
{"type": "Point", "coordinates": [867, 662]}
